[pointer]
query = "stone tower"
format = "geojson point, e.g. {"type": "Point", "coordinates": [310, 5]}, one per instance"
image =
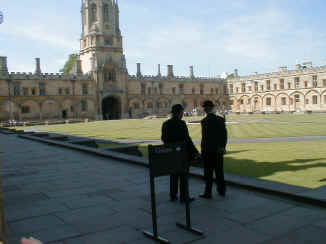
{"type": "Point", "coordinates": [101, 55]}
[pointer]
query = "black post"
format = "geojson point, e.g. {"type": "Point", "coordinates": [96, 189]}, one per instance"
{"type": "Point", "coordinates": [154, 235]}
{"type": "Point", "coordinates": [188, 220]}
{"type": "Point", "coordinates": [153, 200]}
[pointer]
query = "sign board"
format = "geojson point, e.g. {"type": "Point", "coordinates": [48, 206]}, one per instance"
{"type": "Point", "coordinates": [166, 160]}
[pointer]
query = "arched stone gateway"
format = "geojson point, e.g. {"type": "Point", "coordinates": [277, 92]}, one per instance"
{"type": "Point", "coordinates": [111, 108]}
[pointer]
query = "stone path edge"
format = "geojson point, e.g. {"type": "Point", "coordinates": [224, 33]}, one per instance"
{"type": "Point", "coordinates": [253, 184]}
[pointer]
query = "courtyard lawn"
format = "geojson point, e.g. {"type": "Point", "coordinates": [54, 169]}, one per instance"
{"type": "Point", "coordinates": [295, 163]}
{"type": "Point", "coordinates": [243, 126]}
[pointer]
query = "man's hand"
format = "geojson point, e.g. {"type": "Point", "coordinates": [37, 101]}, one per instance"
{"type": "Point", "coordinates": [222, 150]}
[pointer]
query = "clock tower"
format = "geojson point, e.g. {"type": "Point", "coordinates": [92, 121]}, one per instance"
{"type": "Point", "coordinates": [101, 55]}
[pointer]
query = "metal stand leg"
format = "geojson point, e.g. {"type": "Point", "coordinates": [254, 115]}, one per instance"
{"type": "Point", "coordinates": [154, 235]}
{"type": "Point", "coordinates": [187, 226]}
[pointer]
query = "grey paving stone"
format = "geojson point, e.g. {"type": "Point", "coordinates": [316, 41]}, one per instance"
{"type": "Point", "coordinates": [289, 220]}
{"type": "Point", "coordinates": [57, 233]}
{"type": "Point", "coordinates": [84, 201]}
{"type": "Point", "coordinates": [177, 236]}
{"type": "Point", "coordinates": [35, 224]}
{"type": "Point", "coordinates": [234, 236]}
{"type": "Point", "coordinates": [305, 235]}
{"type": "Point", "coordinates": [84, 213]}
{"type": "Point", "coordinates": [23, 197]}
{"type": "Point", "coordinates": [70, 192]}
{"type": "Point", "coordinates": [10, 188]}
{"type": "Point", "coordinates": [321, 223]}
{"type": "Point", "coordinates": [114, 236]}
{"type": "Point", "coordinates": [95, 224]}
{"type": "Point", "coordinates": [13, 240]}
{"type": "Point", "coordinates": [14, 213]}
{"type": "Point", "coordinates": [251, 214]}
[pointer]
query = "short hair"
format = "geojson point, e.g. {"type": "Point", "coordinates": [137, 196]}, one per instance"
{"type": "Point", "coordinates": [176, 109]}
{"type": "Point", "coordinates": [208, 103]}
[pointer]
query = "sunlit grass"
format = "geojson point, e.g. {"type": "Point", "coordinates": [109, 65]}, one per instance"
{"type": "Point", "coordinates": [295, 163]}
{"type": "Point", "coordinates": [251, 126]}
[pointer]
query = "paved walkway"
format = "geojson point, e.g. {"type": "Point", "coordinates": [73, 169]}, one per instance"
{"type": "Point", "coordinates": [57, 194]}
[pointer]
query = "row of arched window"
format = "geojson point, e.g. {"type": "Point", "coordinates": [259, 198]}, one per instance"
{"type": "Point", "coordinates": [297, 99]}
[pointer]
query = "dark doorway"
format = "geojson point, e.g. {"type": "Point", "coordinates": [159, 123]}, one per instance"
{"type": "Point", "coordinates": [111, 108]}
{"type": "Point", "coordinates": [64, 114]}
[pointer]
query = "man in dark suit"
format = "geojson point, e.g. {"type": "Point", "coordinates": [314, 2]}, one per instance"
{"type": "Point", "coordinates": [175, 130]}
{"type": "Point", "coordinates": [213, 143]}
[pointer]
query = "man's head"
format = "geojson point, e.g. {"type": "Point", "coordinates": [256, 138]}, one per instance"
{"type": "Point", "coordinates": [208, 106]}
{"type": "Point", "coordinates": [177, 111]}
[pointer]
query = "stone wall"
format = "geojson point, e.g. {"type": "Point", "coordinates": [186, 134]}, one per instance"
{"type": "Point", "coordinates": [156, 94]}
{"type": "Point", "coordinates": [299, 90]}
{"type": "Point", "coordinates": [22, 98]}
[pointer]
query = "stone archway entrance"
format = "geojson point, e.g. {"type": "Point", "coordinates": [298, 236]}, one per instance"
{"type": "Point", "coordinates": [111, 108]}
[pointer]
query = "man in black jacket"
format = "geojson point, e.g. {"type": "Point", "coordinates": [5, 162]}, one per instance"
{"type": "Point", "coordinates": [175, 130]}
{"type": "Point", "coordinates": [213, 143]}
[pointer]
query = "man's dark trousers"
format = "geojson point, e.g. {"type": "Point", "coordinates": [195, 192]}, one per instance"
{"type": "Point", "coordinates": [213, 161]}
{"type": "Point", "coordinates": [174, 179]}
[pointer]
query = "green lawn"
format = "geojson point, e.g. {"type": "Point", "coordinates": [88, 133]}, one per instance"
{"type": "Point", "coordinates": [251, 126]}
{"type": "Point", "coordinates": [294, 163]}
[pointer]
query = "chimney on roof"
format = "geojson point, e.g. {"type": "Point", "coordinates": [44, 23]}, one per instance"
{"type": "Point", "coordinates": [236, 74]}
{"type": "Point", "coordinates": [159, 70]}
{"type": "Point", "coordinates": [170, 71]}
{"type": "Point", "coordinates": [138, 70]}
{"type": "Point", "coordinates": [37, 66]}
{"type": "Point", "coordinates": [3, 65]}
{"type": "Point", "coordinates": [192, 72]}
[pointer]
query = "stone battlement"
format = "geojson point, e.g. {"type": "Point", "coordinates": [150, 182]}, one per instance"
{"type": "Point", "coordinates": [283, 73]}
{"type": "Point", "coordinates": [43, 76]}
{"type": "Point", "coordinates": [175, 78]}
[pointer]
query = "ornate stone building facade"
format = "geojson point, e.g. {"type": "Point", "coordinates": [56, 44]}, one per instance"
{"type": "Point", "coordinates": [99, 85]}
{"type": "Point", "coordinates": [299, 90]}
{"type": "Point", "coordinates": [42, 96]}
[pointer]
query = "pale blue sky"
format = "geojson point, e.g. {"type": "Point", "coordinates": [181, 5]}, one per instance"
{"type": "Point", "coordinates": [213, 35]}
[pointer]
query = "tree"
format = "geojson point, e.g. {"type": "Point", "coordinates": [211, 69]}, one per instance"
{"type": "Point", "coordinates": [70, 63]}
{"type": "Point", "coordinates": [231, 76]}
